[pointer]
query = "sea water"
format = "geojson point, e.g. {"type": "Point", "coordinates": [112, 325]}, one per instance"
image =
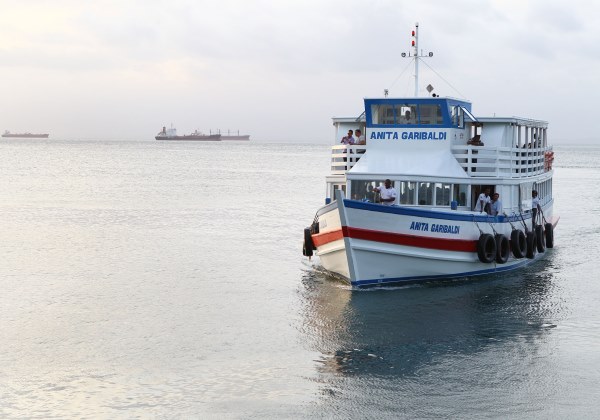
{"type": "Point", "coordinates": [166, 280]}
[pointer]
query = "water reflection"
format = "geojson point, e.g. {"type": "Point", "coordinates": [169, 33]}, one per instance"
{"type": "Point", "coordinates": [397, 332]}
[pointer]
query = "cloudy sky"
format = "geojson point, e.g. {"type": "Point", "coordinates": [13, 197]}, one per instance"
{"type": "Point", "coordinates": [280, 69]}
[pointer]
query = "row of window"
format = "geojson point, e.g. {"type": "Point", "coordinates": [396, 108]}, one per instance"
{"type": "Point", "coordinates": [406, 114]}
{"type": "Point", "coordinates": [413, 193]}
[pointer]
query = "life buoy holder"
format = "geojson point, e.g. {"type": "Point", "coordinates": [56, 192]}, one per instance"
{"type": "Point", "coordinates": [486, 248]}
{"type": "Point", "coordinates": [540, 239]}
{"type": "Point", "coordinates": [502, 249]}
{"type": "Point", "coordinates": [531, 245]}
{"type": "Point", "coordinates": [518, 243]}
{"type": "Point", "coordinates": [549, 232]}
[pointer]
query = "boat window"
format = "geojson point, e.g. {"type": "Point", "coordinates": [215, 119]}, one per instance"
{"type": "Point", "coordinates": [430, 114]}
{"type": "Point", "coordinates": [406, 114]}
{"type": "Point", "coordinates": [382, 114]}
{"type": "Point", "coordinates": [407, 192]}
{"type": "Point", "coordinates": [426, 193]}
{"type": "Point", "coordinates": [364, 190]}
{"type": "Point", "coordinates": [458, 117]}
{"type": "Point", "coordinates": [442, 194]}
{"type": "Point", "coordinates": [460, 194]}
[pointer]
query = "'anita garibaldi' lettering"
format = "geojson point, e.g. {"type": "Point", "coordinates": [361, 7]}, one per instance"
{"type": "Point", "coordinates": [410, 135]}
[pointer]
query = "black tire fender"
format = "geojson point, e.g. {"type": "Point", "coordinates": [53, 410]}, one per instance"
{"type": "Point", "coordinates": [518, 243]}
{"type": "Point", "coordinates": [308, 246]}
{"type": "Point", "coordinates": [531, 245]}
{"type": "Point", "coordinates": [486, 248]}
{"type": "Point", "coordinates": [502, 249]}
{"type": "Point", "coordinates": [540, 238]}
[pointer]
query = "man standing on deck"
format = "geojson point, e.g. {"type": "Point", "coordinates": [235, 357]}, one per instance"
{"type": "Point", "coordinates": [387, 192]}
{"type": "Point", "coordinates": [535, 208]}
{"type": "Point", "coordinates": [483, 200]}
{"type": "Point", "coordinates": [496, 205]}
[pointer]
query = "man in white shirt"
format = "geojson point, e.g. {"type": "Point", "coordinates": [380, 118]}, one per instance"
{"type": "Point", "coordinates": [482, 200]}
{"type": "Point", "coordinates": [387, 192]}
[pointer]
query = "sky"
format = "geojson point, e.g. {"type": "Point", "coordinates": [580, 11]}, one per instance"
{"type": "Point", "coordinates": [279, 70]}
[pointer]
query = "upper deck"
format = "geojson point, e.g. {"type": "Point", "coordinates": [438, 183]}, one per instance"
{"type": "Point", "coordinates": [440, 137]}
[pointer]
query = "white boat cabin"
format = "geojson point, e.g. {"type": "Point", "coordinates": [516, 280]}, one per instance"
{"type": "Point", "coordinates": [439, 155]}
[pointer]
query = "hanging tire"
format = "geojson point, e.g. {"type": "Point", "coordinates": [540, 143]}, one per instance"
{"type": "Point", "coordinates": [308, 246]}
{"type": "Point", "coordinates": [486, 248]}
{"type": "Point", "coordinates": [531, 245]}
{"type": "Point", "coordinates": [518, 243]}
{"type": "Point", "coordinates": [502, 249]}
{"type": "Point", "coordinates": [549, 231]}
{"type": "Point", "coordinates": [539, 238]}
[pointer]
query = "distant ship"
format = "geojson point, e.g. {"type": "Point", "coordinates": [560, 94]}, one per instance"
{"type": "Point", "coordinates": [171, 134]}
{"type": "Point", "coordinates": [25, 135]}
{"type": "Point", "coordinates": [237, 136]}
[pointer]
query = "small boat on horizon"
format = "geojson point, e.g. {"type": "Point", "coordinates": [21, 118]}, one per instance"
{"type": "Point", "coordinates": [8, 134]}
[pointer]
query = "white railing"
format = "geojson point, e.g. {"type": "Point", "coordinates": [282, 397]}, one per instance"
{"type": "Point", "coordinates": [344, 157]}
{"type": "Point", "coordinates": [509, 162]}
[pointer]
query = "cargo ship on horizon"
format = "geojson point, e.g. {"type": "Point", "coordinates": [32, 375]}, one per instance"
{"type": "Point", "coordinates": [171, 134]}
{"type": "Point", "coordinates": [25, 135]}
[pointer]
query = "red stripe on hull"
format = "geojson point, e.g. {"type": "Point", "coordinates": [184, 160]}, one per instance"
{"type": "Point", "coordinates": [411, 240]}
{"type": "Point", "coordinates": [324, 238]}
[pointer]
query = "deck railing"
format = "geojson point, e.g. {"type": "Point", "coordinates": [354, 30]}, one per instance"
{"type": "Point", "coordinates": [511, 162]}
{"type": "Point", "coordinates": [344, 157]}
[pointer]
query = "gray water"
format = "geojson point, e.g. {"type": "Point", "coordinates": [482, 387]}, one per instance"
{"type": "Point", "coordinates": [165, 280]}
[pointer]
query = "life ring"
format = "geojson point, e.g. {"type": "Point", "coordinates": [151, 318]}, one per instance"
{"type": "Point", "coordinates": [502, 249]}
{"type": "Point", "coordinates": [486, 248]}
{"type": "Point", "coordinates": [539, 238]}
{"type": "Point", "coordinates": [518, 243]}
{"type": "Point", "coordinates": [531, 245]}
{"type": "Point", "coordinates": [308, 246]}
{"type": "Point", "coordinates": [549, 231]}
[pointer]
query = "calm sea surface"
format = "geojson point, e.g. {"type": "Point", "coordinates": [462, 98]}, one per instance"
{"type": "Point", "coordinates": [166, 280]}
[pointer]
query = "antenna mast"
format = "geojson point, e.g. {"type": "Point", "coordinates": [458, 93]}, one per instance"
{"type": "Point", "coordinates": [415, 53]}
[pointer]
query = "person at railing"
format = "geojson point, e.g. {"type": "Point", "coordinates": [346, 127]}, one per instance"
{"type": "Point", "coordinates": [347, 140]}
{"type": "Point", "coordinates": [387, 192]}
{"type": "Point", "coordinates": [360, 137]}
{"type": "Point", "coordinates": [483, 201]}
{"type": "Point", "coordinates": [476, 141]}
{"type": "Point", "coordinates": [496, 205]}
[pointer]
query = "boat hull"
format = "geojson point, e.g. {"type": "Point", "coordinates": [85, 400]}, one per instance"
{"type": "Point", "coordinates": [370, 244]}
{"type": "Point", "coordinates": [26, 136]}
{"type": "Point", "coordinates": [242, 137]}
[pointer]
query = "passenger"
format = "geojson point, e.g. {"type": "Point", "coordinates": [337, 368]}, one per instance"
{"type": "Point", "coordinates": [387, 192]}
{"type": "Point", "coordinates": [348, 139]}
{"type": "Point", "coordinates": [360, 137]}
{"type": "Point", "coordinates": [483, 201]}
{"type": "Point", "coordinates": [476, 141]}
{"type": "Point", "coordinates": [496, 205]}
{"type": "Point", "coordinates": [407, 117]}
{"type": "Point", "coordinates": [535, 208]}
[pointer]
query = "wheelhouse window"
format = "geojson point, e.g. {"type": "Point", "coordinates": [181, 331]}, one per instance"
{"type": "Point", "coordinates": [406, 114]}
{"type": "Point", "coordinates": [430, 114]}
{"type": "Point", "coordinates": [382, 114]}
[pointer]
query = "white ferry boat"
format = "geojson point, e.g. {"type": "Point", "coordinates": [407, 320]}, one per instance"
{"type": "Point", "coordinates": [426, 147]}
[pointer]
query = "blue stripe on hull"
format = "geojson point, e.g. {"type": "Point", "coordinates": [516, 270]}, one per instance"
{"type": "Point", "coordinates": [408, 280]}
